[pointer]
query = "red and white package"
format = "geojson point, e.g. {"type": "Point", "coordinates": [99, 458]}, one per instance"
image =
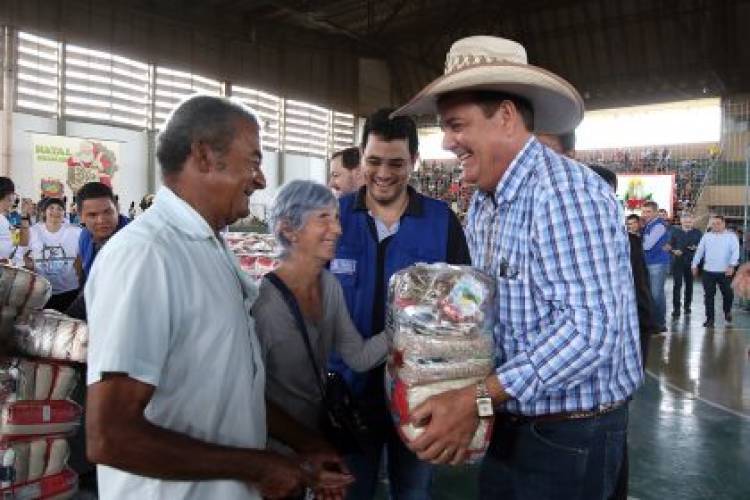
{"type": "Point", "coordinates": [28, 459]}
{"type": "Point", "coordinates": [258, 254]}
{"type": "Point", "coordinates": [257, 265]}
{"type": "Point", "coordinates": [26, 380]}
{"type": "Point", "coordinates": [440, 321]}
{"type": "Point", "coordinates": [56, 487]}
{"type": "Point", "coordinates": [35, 418]}
{"type": "Point", "coordinates": [404, 398]}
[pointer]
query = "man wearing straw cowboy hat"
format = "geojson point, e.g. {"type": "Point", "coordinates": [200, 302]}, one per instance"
{"type": "Point", "coordinates": [549, 231]}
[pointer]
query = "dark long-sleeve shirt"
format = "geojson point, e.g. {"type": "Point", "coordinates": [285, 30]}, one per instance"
{"type": "Point", "coordinates": [643, 298]}
{"type": "Point", "coordinates": [687, 242]}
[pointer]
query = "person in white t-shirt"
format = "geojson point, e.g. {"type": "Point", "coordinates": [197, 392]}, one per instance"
{"type": "Point", "coordinates": [53, 253]}
{"type": "Point", "coordinates": [9, 245]}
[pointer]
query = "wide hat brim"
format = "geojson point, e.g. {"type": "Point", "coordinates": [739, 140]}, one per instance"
{"type": "Point", "coordinates": [558, 107]}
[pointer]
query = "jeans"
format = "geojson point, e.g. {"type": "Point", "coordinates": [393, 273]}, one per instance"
{"type": "Point", "coordinates": [657, 274]}
{"type": "Point", "coordinates": [567, 460]}
{"type": "Point", "coordinates": [710, 280]}
{"type": "Point", "coordinates": [408, 477]}
{"type": "Point", "coordinates": [682, 273]}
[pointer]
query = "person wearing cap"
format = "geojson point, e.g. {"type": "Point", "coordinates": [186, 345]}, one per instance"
{"type": "Point", "coordinates": [549, 231]}
{"type": "Point", "coordinates": [53, 253]}
{"type": "Point", "coordinates": [346, 175]}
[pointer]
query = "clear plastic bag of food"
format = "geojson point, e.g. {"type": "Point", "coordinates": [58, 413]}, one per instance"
{"type": "Point", "coordinates": [27, 380]}
{"type": "Point", "coordinates": [404, 398]}
{"type": "Point", "coordinates": [26, 459]}
{"type": "Point", "coordinates": [439, 319]}
{"type": "Point", "coordinates": [22, 289]}
{"type": "Point", "coordinates": [49, 334]}
{"type": "Point", "coordinates": [440, 299]}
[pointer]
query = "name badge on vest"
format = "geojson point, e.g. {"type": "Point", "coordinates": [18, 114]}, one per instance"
{"type": "Point", "coordinates": [343, 266]}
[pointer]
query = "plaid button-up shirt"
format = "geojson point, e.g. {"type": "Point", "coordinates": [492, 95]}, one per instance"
{"type": "Point", "coordinates": [566, 330]}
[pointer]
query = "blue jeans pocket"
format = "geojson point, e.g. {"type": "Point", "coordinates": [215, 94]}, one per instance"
{"type": "Point", "coordinates": [553, 438]}
{"type": "Point", "coordinates": [557, 460]}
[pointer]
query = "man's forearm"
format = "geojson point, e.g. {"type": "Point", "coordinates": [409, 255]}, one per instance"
{"type": "Point", "coordinates": [149, 450]}
{"type": "Point", "coordinates": [289, 431]}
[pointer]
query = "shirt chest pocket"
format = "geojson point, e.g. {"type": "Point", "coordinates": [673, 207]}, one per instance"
{"type": "Point", "coordinates": [513, 281]}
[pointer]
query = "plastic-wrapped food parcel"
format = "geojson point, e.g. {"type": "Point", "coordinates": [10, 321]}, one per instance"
{"type": "Point", "coordinates": [440, 320]}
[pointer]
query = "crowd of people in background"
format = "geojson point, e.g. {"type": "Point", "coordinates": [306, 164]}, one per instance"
{"type": "Point", "coordinates": [59, 240]}
{"type": "Point", "coordinates": [685, 252]}
{"type": "Point", "coordinates": [202, 384]}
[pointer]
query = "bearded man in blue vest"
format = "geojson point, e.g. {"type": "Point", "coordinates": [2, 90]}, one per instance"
{"type": "Point", "coordinates": [656, 236]}
{"type": "Point", "coordinates": [387, 226]}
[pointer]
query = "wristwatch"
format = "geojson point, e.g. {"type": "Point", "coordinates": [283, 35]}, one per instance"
{"type": "Point", "coordinates": [484, 401]}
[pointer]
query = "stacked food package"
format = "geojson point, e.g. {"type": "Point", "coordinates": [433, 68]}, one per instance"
{"type": "Point", "coordinates": [257, 253]}
{"type": "Point", "coordinates": [38, 374]}
{"type": "Point", "coordinates": [440, 323]}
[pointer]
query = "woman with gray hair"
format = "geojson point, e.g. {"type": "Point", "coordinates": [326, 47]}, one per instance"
{"type": "Point", "coordinates": [305, 220]}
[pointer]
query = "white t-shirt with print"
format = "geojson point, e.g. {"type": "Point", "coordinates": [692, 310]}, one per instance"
{"type": "Point", "coordinates": [6, 241]}
{"type": "Point", "coordinates": [54, 255]}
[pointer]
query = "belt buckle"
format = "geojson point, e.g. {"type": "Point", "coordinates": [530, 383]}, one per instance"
{"type": "Point", "coordinates": [582, 414]}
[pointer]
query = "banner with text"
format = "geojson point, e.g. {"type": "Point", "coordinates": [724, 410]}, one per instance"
{"type": "Point", "coordinates": [61, 164]}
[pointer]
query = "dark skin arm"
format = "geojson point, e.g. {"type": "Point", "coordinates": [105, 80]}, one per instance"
{"type": "Point", "coordinates": [120, 436]}
{"type": "Point", "coordinates": [25, 212]}
{"type": "Point", "coordinates": [78, 266]}
{"type": "Point", "coordinates": [328, 465]}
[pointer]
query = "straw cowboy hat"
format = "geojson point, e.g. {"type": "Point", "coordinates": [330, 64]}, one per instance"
{"type": "Point", "coordinates": [493, 63]}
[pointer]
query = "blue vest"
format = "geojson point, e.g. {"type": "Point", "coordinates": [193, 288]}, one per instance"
{"type": "Point", "coordinates": [422, 238]}
{"type": "Point", "coordinates": [656, 255]}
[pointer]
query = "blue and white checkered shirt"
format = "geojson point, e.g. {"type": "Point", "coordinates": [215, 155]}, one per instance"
{"type": "Point", "coordinates": [566, 330]}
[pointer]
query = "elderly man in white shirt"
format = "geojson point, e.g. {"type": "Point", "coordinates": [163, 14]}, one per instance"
{"type": "Point", "coordinates": [720, 251]}
{"type": "Point", "coordinates": [175, 404]}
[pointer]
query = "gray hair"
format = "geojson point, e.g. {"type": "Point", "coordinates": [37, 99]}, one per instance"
{"type": "Point", "coordinates": [200, 118]}
{"type": "Point", "coordinates": [293, 205]}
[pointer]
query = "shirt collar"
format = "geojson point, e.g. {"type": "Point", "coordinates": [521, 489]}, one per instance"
{"type": "Point", "coordinates": [181, 215]}
{"type": "Point", "coordinates": [413, 207]}
{"type": "Point", "coordinates": [513, 178]}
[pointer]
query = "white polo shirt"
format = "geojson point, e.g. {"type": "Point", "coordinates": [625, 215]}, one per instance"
{"type": "Point", "coordinates": [168, 304]}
